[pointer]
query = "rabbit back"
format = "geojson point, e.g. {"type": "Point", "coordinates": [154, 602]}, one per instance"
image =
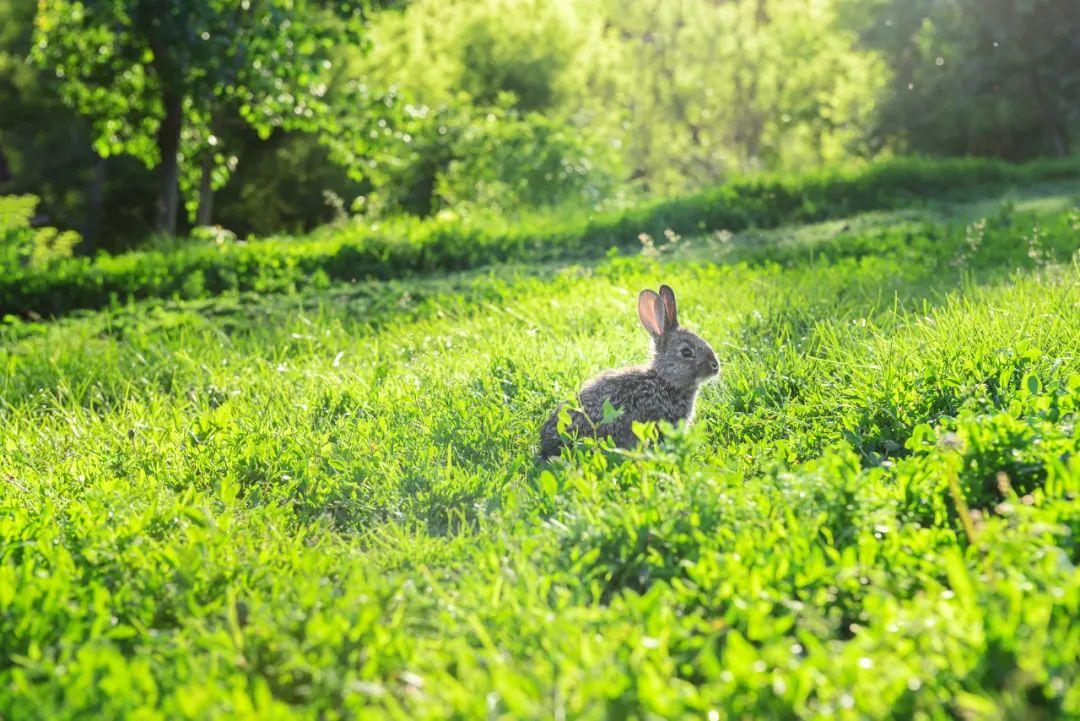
{"type": "Point", "coordinates": [638, 392]}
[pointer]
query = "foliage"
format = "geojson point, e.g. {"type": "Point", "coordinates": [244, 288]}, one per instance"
{"type": "Point", "coordinates": [511, 162]}
{"type": "Point", "coordinates": [685, 94]}
{"type": "Point", "coordinates": [279, 185]}
{"type": "Point", "coordinates": [1010, 72]}
{"type": "Point", "coordinates": [44, 148]}
{"type": "Point", "coordinates": [389, 249]}
{"type": "Point", "coordinates": [441, 52]}
{"type": "Point", "coordinates": [23, 246]}
{"type": "Point", "coordinates": [324, 504]}
{"type": "Point", "coordinates": [160, 84]}
{"type": "Point", "coordinates": [709, 90]}
{"type": "Point", "coordinates": [654, 98]}
{"type": "Point", "coordinates": [282, 186]}
{"type": "Point", "coordinates": [451, 158]}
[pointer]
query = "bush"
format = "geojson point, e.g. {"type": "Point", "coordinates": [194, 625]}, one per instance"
{"type": "Point", "coordinates": [508, 161]}
{"type": "Point", "coordinates": [23, 246]}
{"type": "Point", "coordinates": [493, 159]}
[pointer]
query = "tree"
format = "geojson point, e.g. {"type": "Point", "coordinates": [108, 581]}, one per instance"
{"type": "Point", "coordinates": [39, 137]}
{"type": "Point", "coordinates": [997, 77]}
{"type": "Point", "coordinates": [158, 78]}
{"type": "Point", "coordinates": [708, 88]}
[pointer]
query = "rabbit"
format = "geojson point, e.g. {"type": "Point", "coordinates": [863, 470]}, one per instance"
{"type": "Point", "coordinates": [665, 389]}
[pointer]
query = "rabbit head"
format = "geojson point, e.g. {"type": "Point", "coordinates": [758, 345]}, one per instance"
{"type": "Point", "coordinates": [681, 358]}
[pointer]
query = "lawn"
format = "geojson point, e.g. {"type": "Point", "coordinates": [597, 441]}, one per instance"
{"type": "Point", "coordinates": [323, 502]}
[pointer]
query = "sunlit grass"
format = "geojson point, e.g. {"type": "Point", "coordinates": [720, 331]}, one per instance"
{"type": "Point", "coordinates": [324, 504]}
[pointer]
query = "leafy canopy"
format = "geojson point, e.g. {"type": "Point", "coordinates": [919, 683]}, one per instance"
{"type": "Point", "coordinates": [121, 61]}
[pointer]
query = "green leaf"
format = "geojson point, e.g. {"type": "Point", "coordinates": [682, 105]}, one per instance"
{"type": "Point", "coordinates": [548, 484]}
{"type": "Point", "coordinates": [1032, 383]}
{"type": "Point", "coordinates": [610, 412]}
{"type": "Point", "coordinates": [564, 422]}
{"type": "Point", "coordinates": [921, 434]}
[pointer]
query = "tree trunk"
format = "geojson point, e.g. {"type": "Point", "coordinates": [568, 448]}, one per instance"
{"type": "Point", "coordinates": [762, 15]}
{"type": "Point", "coordinates": [5, 169]}
{"type": "Point", "coordinates": [206, 191]}
{"type": "Point", "coordinates": [1053, 121]}
{"type": "Point", "coordinates": [95, 196]}
{"type": "Point", "coordinates": [168, 140]}
{"type": "Point", "coordinates": [1059, 140]}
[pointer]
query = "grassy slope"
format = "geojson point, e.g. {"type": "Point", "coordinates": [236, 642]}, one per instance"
{"type": "Point", "coordinates": [402, 247]}
{"type": "Point", "coordinates": [325, 503]}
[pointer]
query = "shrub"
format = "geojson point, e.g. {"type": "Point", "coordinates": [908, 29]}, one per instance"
{"type": "Point", "coordinates": [495, 159]}
{"type": "Point", "coordinates": [510, 161]}
{"type": "Point", "coordinates": [22, 245]}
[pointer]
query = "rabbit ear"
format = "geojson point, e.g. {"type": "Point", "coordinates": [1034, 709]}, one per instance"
{"type": "Point", "coordinates": [650, 309]}
{"type": "Point", "coordinates": [671, 310]}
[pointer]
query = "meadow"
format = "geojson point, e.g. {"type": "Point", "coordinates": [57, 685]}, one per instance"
{"type": "Point", "coordinates": [321, 502]}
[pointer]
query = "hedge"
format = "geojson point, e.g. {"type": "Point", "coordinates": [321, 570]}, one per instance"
{"type": "Point", "coordinates": [408, 246]}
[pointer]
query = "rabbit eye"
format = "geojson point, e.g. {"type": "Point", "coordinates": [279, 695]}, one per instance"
{"type": "Point", "coordinates": [687, 353]}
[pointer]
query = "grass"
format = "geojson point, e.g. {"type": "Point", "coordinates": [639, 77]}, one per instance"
{"type": "Point", "coordinates": [402, 247]}
{"type": "Point", "coordinates": [323, 504]}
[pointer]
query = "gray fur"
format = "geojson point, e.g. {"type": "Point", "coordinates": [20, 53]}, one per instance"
{"type": "Point", "coordinates": [665, 389]}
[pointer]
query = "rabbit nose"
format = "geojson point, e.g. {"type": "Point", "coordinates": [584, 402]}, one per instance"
{"type": "Point", "coordinates": [714, 365]}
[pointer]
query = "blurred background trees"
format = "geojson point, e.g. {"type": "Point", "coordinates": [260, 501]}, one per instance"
{"type": "Point", "coordinates": [282, 115]}
{"type": "Point", "coordinates": [979, 77]}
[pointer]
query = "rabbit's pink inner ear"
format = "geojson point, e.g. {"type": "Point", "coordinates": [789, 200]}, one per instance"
{"type": "Point", "coordinates": [650, 310]}
{"type": "Point", "coordinates": [671, 310]}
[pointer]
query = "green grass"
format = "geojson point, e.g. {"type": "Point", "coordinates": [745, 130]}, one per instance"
{"type": "Point", "coordinates": [323, 504]}
{"type": "Point", "coordinates": [400, 247]}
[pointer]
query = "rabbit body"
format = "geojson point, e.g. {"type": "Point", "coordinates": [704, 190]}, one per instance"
{"type": "Point", "coordinates": [639, 392]}
{"type": "Point", "coordinates": [664, 390]}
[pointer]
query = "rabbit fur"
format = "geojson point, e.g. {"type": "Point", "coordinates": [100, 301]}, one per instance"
{"type": "Point", "coordinates": [664, 389]}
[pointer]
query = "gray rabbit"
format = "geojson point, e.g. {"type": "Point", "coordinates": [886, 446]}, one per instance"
{"type": "Point", "coordinates": [663, 390]}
